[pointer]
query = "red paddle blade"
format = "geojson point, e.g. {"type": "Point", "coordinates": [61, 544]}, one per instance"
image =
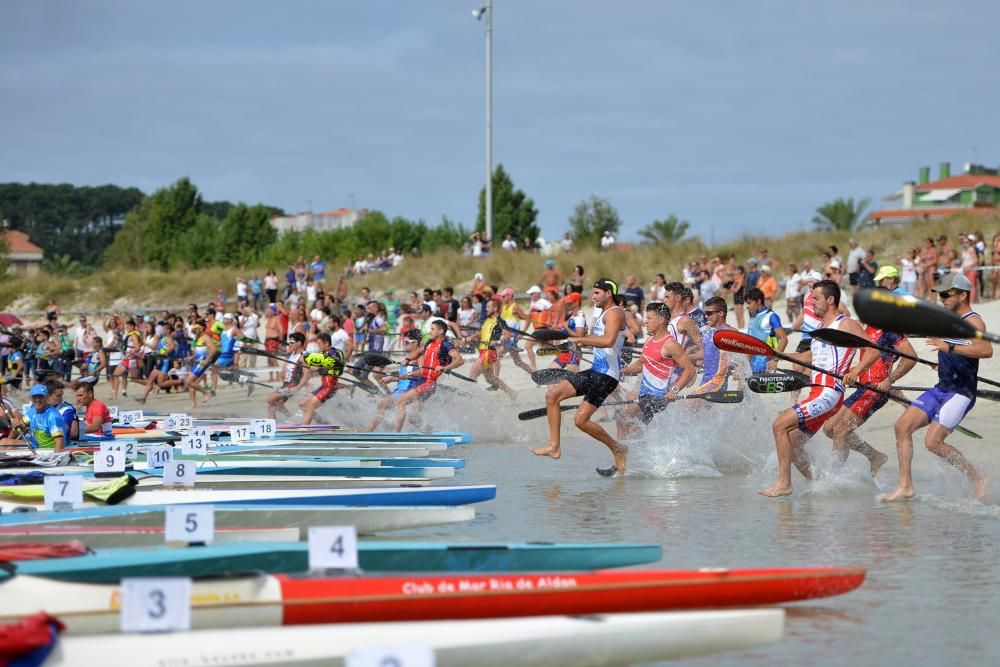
{"type": "Point", "coordinates": [741, 343]}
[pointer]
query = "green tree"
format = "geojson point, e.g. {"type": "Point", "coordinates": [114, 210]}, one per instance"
{"type": "Point", "coordinates": [446, 235]}
{"type": "Point", "coordinates": [126, 248]}
{"type": "Point", "coordinates": [244, 233]}
{"type": "Point", "coordinates": [171, 212]}
{"type": "Point", "coordinates": [841, 215]}
{"type": "Point", "coordinates": [671, 230]}
{"type": "Point", "coordinates": [201, 245]}
{"type": "Point", "coordinates": [62, 265]}
{"type": "Point", "coordinates": [590, 219]}
{"type": "Point", "coordinates": [514, 213]}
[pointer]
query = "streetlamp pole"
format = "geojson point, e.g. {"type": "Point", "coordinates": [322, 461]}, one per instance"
{"type": "Point", "coordinates": [479, 13]}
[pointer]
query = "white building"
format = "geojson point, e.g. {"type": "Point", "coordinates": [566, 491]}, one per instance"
{"type": "Point", "coordinates": [320, 222]}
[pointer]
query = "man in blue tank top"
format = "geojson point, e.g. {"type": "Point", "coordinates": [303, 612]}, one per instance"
{"type": "Point", "coordinates": [594, 384]}
{"type": "Point", "coordinates": [944, 405]}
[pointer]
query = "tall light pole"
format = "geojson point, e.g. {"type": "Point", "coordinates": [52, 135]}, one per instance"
{"type": "Point", "coordinates": [487, 11]}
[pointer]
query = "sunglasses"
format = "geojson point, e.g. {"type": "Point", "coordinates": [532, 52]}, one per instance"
{"type": "Point", "coordinates": [950, 293]}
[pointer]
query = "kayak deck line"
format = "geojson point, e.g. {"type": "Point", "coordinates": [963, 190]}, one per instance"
{"type": "Point", "coordinates": [568, 585]}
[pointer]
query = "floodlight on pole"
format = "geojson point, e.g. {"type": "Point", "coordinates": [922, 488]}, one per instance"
{"type": "Point", "coordinates": [478, 14]}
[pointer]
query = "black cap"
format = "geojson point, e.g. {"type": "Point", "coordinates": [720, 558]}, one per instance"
{"type": "Point", "coordinates": [297, 336]}
{"type": "Point", "coordinates": [607, 285]}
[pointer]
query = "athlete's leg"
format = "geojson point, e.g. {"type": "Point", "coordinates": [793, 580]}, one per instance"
{"type": "Point", "coordinates": [555, 395]}
{"type": "Point", "coordinates": [582, 420]}
{"type": "Point", "coordinates": [784, 426]}
{"type": "Point", "coordinates": [934, 441]}
{"type": "Point", "coordinates": [309, 405]}
{"type": "Point", "coordinates": [912, 420]}
{"type": "Point", "coordinates": [493, 379]}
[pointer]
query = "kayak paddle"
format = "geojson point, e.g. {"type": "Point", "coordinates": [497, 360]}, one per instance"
{"type": "Point", "coordinates": [909, 314]}
{"type": "Point", "coordinates": [715, 397]}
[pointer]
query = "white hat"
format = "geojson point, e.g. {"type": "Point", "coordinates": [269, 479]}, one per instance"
{"type": "Point", "coordinates": [534, 289]}
{"type": "Point", "coordinates": [478, 276]}
{"type": "Point", "coordinates": [227, 316]}
{"type": "Point", "coordinates": [766, 268]}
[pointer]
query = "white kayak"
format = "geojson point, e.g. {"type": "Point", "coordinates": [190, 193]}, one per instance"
{"type": "Point", "coordinates": [607, 640]}
{"type": "Point", "coordinates": [123, 535]}
{"type": "Point", "coordinates": [367, 520]}
{"type": "Point", "coordinates": [290, 481]}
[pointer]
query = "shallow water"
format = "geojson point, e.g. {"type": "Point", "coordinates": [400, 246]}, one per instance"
{"type": "Point", "coordinates": [930, 596]}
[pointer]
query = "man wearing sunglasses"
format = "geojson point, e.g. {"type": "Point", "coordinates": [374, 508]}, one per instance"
{"type": "Point", "coordinates": [718, 364]}
{"type": "Point", "coordinates": [943, 407]}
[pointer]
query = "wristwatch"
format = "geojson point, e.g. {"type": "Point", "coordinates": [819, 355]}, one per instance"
{"type": "Point", "coordinates": [675, 390]}
{"type": "Point", "coordinates": [951, 347]}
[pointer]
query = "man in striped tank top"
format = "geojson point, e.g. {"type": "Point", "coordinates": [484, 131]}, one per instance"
{"type": "Point", "coordinates": [594, 384]}
{"type": "Point", "coordinates": [665, 370]}
{"type": "Point", "coordinates": [793, 427]}
{"type": "Point", "coordinates": [945, 405]}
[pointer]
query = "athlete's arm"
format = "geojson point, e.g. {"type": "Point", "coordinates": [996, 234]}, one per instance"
{"type": "Point", "coordinates": [634, 368]}
{"type": "Point", "coordinates": [456, 360]}
{"type": "Point", "coordinates": [674, 351]}
{"type": "Point", "coordinates": [978, 348]}
{"type": "Point", "coordinates": [690, 329]}
{"type": "Point", "coordinates": [868, 358]}
{"type": "Point", "coordinates": [74, 430]}
{"type": "Point", "coordinates": [614, 323]}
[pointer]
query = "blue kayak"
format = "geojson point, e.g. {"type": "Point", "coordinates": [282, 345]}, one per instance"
{"type": "Point", "coordinates": [110, 565]}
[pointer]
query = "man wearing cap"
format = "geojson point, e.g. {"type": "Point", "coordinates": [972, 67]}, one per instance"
{"type": "Point", "coordinates": [943, 407]}
{"type": "Point", "coordinates": [594, 384]}
{"type": "Point", "coordinates": [45, 425]}
{"type": "Point", "coordinates": [888, 277]}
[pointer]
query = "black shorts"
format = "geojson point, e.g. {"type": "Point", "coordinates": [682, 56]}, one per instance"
{"type": "Point", "coordinates": [593, 386]}
{"type": "Point", "coordinates": [650, 406]}
{"type": "Point", "coordinates": [576, 288]}
{"type": "Point", "coordinates": [853, 278]}
{"type": "Point", "coordinates": [804, 344]}
{"type": "Point", "coordinates": [739, 297]}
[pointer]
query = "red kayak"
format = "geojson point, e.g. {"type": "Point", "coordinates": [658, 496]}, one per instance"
{"type": "Point", "coordinates": [364, 599]}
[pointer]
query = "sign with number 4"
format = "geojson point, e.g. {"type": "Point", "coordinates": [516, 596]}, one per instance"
{"type": "Point", "coordinates": [179, 472]}
{"type": "Point", "coordinates": [402, 655]}
{"type": "Point", "coordinates": [156, 604]}
{"type": "Point", "coordinates": [63, 491]}
{"type": "Point", "coordinates": [333, 548]}
{"type": "Point", "coordinates": [190, 523]}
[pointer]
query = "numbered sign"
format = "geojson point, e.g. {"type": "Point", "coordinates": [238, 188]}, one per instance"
{"type": "Point", "coordinates": [179, 473]}
{"type": "Point", "coordinates": [201, 432]}
{"type": "Point", "coordinates": [130, 417]}
{"type": "Point", "coordinates": [113, 409]}
{"type": "Point", "coordinates": [108, 461]}
{"type": "Point", "coordinates": [159, 455]}
{"type": "Point", "coordinates": [401, 655]}
{"type": "Point", "coordinates": [156, 604]}
{"type": "Point", "coordinates": [190, 523]}
{"type": "Point", "coordinates": [63, 492]}
{"type": "Point", "coordinates": [263, 428]}
{"type": "Point", "coordinates": [128, 447]}
{"type": "Point", "coordinates": [194, 444]}
{"type": "Point", "coordinates": [333, 548]}
{"type": "Point", "coordinates": [239, 433]}
{"type": "Point", "coordinates": [179, 421]}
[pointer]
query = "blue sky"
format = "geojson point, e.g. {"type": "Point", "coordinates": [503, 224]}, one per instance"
{"type": "Point", "coordinates": [735, 116]}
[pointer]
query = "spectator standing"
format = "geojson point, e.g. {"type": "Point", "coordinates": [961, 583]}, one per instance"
{"type": "Point", "coordinates": [607, 240]}
{"type": "Point", "coordinates": [566, 244]}
{"type": "Point", "coordinates": [970, 265]}
{"type": "Point", "coordinates": [633, 293]}
{"type": "Point", "coordinates": [257, 292]}
{"type": "Point", "coordinates": [768, 285]}
{"type": "Point", "coordinates": [271, 286]}
{"type": "Point", "coordinates": [753, 273]}
{"type": "Point", "coordinates": [658, 289]}
{"type": "Point", "coordinates": [242, 292]}
{"type": "Point", "coordinates": [910, 267]}
{"type": "Point", "coordinates": [854, 258]}
{"type": "Point", "coordinates": [318, 268]}
{"type": "Point", "coordinates": [509, 243]}
{"type": "Point", "coordinates": [867, 270]}
{"type": "Point", "coordinates": [793, 293]}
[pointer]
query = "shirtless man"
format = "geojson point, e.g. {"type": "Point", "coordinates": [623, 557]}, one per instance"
{"type": "Point", "coordinates": [594, 384]}
{"type": "Point", "coordinates": [273, 336]}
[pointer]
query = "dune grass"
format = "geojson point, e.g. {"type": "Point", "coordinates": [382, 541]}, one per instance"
{"type": "Point", "coordinates": [111, 288]}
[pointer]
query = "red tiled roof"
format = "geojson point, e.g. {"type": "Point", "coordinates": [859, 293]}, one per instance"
{"type": "Point", "coordinates": [962, 182]}
{"type": "Point", "coordinates": [338, 212]}
{"type": "Point", "coordinates": [927, 212]}
{"type": "Point", "coordinates": [18, 242]}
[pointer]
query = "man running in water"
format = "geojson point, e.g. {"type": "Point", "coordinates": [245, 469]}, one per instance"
{"type": "Point", "coordinates": [718, 364]}
{"type": "Point", "coordinates": [665, 370]}
{"type": "Point", "coordinates": [595, 383]}
{"type": "Point", "coordinates": [793, 427]}
{"type": "Point", "coordinates": [491, 336]}
{"type": "Point", "coordinates": [440, 355]}
{"type": "Point", "coordinates": [329, 364]}
{"type": "Point", "coordinates": [875, 368]}
{"type": "Point", "coordinates": [407, 370]}
{"type": "Point", "coordinates": [945, 405]}
{"type": "Point", "coordinates": [294, 376]}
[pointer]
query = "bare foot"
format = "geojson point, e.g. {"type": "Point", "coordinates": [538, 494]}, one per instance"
{"type": "Point", "coordinates": [980, 486]}
{"type": "Point", "coordinates": [776, 490]}
{"type": "Point", "coordinates": [621, 457]}
{"type": "Point", "coordinates": [551, 450]}
{"type": "Point", "coordinates": [877, 462]}
{"type": "Point", "coordinates": [900, 494]}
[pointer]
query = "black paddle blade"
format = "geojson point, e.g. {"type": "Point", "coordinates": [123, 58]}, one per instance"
{"type": "Point", "coordinates": [549, 334]}
{"type": "Point", "coordinates": [551, 376]}
{"type": "Point", "coordinates": [908, 314]}
{"type": "Point", "coordinates": [373, 359]}
{"type": "Point", "coordinates": [840, 338]}
{"type": "Point", "coordinates": [777, 383]}
{"type": "Point", "coordinates": [734, 396]}
{"type": "Point", "coordinates": [528, 415]}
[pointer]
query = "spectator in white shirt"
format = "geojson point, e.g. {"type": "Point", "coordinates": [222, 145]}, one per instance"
{"type": "Point", "coordinates": [607, 241]}
{"type": "Point", "coordinates": [509, 243]}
